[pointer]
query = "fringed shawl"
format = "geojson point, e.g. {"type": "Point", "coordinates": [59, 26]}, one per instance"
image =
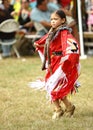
{"type": "Point", "coordinates": [53, 33]}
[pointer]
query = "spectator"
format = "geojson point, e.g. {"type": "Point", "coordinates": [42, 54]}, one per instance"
{"type": "Point", "coordinates": [16, 6]}
{"type": "Point", "coordinates": [5, 11]}
{"type": "Point", "coordinates": [84, 15]}
{"type": "Point", "coordinates": [90, 15]}
{"type": "Point", "coordinates": [41, 13]}
{"type": "Point", "coordinates": [32, 3]}
{"type": "Point", "coordinates": [26, 25]}
{"type": "Point", "coordinates": [65, 6]}
{"type": "Point", "coordinates": [44, 9]}
{"type": "Point", "coordinates": [64, 3]}
{"type": "Point", "coordinates": [24, 16]}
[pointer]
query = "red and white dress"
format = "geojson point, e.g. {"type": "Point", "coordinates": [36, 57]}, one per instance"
{"type": "Point", "coordinates": [64, 53]}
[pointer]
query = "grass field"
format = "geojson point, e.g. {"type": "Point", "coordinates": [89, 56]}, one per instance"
{"type": "Point", "coordinates": [23, 108]}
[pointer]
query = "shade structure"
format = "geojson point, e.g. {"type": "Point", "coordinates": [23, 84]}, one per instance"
{"type": "Point", "coordinates": [82, 55]}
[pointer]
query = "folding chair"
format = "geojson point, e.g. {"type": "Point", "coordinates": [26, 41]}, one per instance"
{"type": "Point", "coordinates": [9, 26]}
{"type": "Point", "coordinates": [39, 27]}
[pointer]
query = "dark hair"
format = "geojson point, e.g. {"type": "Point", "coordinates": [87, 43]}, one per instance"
{"type": "Point", "coordinates": [59, 2]}
{"type": "Point", "coordinates": [39, 2]}
{"type": "Point", "coordinates": [26, 1]}
{"type": "Point", "coordinates": [4, 1]}
{"type": "Point", "coordinates": [61, 14]}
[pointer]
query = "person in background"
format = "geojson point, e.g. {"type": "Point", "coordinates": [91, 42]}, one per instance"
{"type": "Point", "coordinates": [61, 4]}
{"type": "Point", "coordinates": [16, 6]}
{"type": "Point", "coordinates": [32, 3]}
{"type": "Point", "coordinates": [44, 9]}
{"type": "Point", "coordinates": [5, 13]}
{"type": "Point", "coordinates": [24, 45]}
{"type": "Point", "coordinates": [60, 53]}
{"type": "Point", "coordinates": [65, 5]}
{"type": "Point", "coordinates": [90, 15]}
{"type": "Point", "coordinates": [24, 16]}
{"type": "Point", "coordinates": [41, 14]}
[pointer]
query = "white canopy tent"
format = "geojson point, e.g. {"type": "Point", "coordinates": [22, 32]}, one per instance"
{"type": "Point", "coordinates": [83, 56]}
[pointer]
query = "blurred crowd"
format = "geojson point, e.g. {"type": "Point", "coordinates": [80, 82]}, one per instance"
{"type": "Point", "coordinates": [34, 14]}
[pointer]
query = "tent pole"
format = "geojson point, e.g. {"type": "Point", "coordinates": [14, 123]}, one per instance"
{"type": "Point", "coordinates": [83, 56]}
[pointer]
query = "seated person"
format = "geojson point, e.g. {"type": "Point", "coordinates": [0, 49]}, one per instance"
{"type": "Point", "coordinates": [41, 14]}
{"type": "Point", "coordinates": [44, 9]}
{"type": "Point", "coordinates": [66, 7]}
{"type": "Point", "coordinates": [24, 16]}
{"type": "Point", "coordinates": [4, 15]}
{"type": "Point", "coordinates": [26, 26]}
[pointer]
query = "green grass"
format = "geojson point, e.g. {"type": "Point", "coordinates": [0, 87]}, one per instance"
{"type": "Point", "coordinates": [23, 108]}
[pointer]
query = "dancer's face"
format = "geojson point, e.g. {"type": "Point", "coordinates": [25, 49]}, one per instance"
{"type": "Point", "coordinates": [56, 20]}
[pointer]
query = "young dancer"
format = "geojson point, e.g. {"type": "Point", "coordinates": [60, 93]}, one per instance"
{"type": "Point", "coordinates": [59, 52]}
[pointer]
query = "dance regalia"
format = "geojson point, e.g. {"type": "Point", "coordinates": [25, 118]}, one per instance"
{"type": "Point", "coordinates": [64, 56]}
